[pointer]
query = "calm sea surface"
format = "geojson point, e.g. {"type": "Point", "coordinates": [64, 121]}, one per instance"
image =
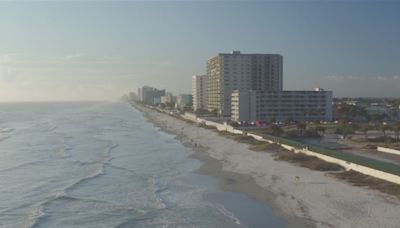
{"type": "Point", "coordinates": [102, 165]}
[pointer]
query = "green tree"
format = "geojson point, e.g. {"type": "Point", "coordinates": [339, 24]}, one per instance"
{"type": "Point", "coordinates": [234, 124]}
{"type": "Point", "coordinates": [320, 130]}
{"type": "Point", "coordinates": [376, 118]}
{"type": "Point", "coordinates": [301, 127]}
{"type": "Point", "coordinates": [365, 129]}
{"type": "Point", "coordinates": [396, 129]}
{"type": "Point", "coordinates": [384, 128]}
{"type": "Point", "coordinates": [214, 112]}
{"type": "Point", "coordinates": [276, 130]}
{"type": "Point", "coordinates": [344, 130]}
{"type": "Point", "coordinates": [290, 120]}
{"type": "Point", "coordinates": [355, 127]}
{"type": "Point", "coordinates": [346, 112]}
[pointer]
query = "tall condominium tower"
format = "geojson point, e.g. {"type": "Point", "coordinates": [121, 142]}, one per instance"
{"type": "Point", "coordinates": [199, 91]}
{"type": "Point", "coordinates": [235, 71]}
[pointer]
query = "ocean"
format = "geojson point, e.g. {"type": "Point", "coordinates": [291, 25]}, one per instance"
{"type": "Point", "coordinates": [101, 164]}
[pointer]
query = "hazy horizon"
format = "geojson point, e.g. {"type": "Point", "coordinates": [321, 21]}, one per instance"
{"type": "Point", "coordinates": [67, 51]}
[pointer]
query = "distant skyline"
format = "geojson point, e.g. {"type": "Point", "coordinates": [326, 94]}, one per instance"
{"type": "Point", "coordinates": [101, 50]}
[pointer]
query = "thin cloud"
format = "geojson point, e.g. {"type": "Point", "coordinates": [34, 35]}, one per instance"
{"type": "Point", "coordinates": [378, 78]}
{"type": "Point", "coordinates": [343, 77]}
{"type": "Point", "coordinates": [22, 60]}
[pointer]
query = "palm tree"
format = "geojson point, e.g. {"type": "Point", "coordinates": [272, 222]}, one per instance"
{"type": "Point", "coordinates": [344, 130]}
{"type": "Point", "coordinates": [301, 127]}
{"type": "Point", "coordinates": [396, 129]}
{"type": "Point", "coordinates": [276, 130]}
{"type": "Point", "coordinates": [320, 129]}
{"type": "Point", "coordinates": [290, 120]}
{"type": "Point", "coordinates": [365, 129]}
{"type": "Point", "coordinates": [384, 128]}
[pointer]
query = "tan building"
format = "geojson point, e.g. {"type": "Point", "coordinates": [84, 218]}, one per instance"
{"type": "Point", "coordinates": [199, 92]}
{"type": "Point", "coordinates": [235, 71]}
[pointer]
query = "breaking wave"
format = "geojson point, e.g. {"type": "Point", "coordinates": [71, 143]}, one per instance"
{"type": "Point", "coordinates": [154, 194]}
{"type": "Point", "coordinates": [23, 165]}
{"type": "Point", "coordinates": [226, 213]}
{"type": "Point", "coordinates": [35, 217]}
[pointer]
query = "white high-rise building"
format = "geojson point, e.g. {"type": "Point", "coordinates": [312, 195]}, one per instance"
{"type": "Point", "coordinates": [235, 71]}
{"type": "Point", "coordinates": [199, 92]}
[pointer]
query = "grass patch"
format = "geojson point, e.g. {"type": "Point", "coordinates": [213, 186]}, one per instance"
{"type": "Point", "coordinates": [394, 146]}
{"type": "Point", "coordinates": [209, 127]}
{"type": "Point", "coordinates": [359, 179]}
{"type": "Point", "coordinates": [226, 134]}
{"type": "Point", "coordinates": [183, 119]}
{"type": "Point", "coordinates": [203, 125]}
{"type": "Point", "coordinates": [247, 139]}
{"type": "Point", "coordinates": [370, 147]}
{"type": "Point", "coordinates": [255, 144]}
{"type": "Point", "coordinates": [310, 162]}
{"type": "Point", "coordinates": [264, 146]}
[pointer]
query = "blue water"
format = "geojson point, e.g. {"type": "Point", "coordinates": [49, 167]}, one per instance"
{"type": "Point", "coordinates": [102, 165]}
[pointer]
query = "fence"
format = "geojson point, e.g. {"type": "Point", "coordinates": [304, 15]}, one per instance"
{"type": "Point", "coordinates": [383, 170]}
{"type": "Point", "coordinates": [342, 155]}
{"type": "Point", "coordinates": [388, 150]}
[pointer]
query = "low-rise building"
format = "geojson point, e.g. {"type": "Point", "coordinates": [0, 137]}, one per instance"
{"type": "Point", "coordinates": [389, 112]}
{"type": "Point", "coordinates": [184, 101]}
{"type": "Point", "coordinates": [167, 99]}
{"type": "Point", "coordinates": [253, 105]}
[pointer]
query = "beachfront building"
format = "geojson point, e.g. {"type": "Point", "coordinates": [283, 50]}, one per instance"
{"type": "Point", "coordinates": [227, 72]}
{"type": "Point", "coordinates": [199, 92]}
{"type": "Point", "coordinates": [144, 94]}
{"type": "Point", "coordinates": [184, 101]}
{"type": "Point", "coordinates": [139, 94]}
{"type": "Point", "coordinates": [132, 96]}
{"type": "Point", "coordinates": [167, 99]}
{"type": "Point", "coordinates": [149, 95]}
{"type": "Point", "coordinates": [264, 105]}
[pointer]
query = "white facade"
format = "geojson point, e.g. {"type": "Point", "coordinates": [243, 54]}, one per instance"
{"type": "Point", "coordinates": [167, 99]}
{"type": "Point", "coordinates": [281, 105]}
{"type": "Point", "coordinates": [236, 71]}
{"type": "Point", "coordinates": [243, 106]}
{"type": "Point", "coordinates": [199, 92]}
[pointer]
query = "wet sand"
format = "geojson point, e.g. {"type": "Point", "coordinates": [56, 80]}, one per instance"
{"type": "Point", "coordinates": [235, 182]}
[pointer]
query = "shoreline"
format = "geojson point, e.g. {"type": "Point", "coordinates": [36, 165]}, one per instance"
{"type": "Point", "coordinates": [318, 200]}
{"type": "Point", "coordinates": [230, 181]}
{"type": "Point", "coordinates": [245, 184]}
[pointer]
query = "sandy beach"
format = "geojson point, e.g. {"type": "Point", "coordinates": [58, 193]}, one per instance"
{"type": "Point", "coordinates": [315, 200]}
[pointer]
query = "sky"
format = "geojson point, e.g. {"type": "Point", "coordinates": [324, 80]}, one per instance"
{"type": "Point", "coordinates": [54, 50]}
